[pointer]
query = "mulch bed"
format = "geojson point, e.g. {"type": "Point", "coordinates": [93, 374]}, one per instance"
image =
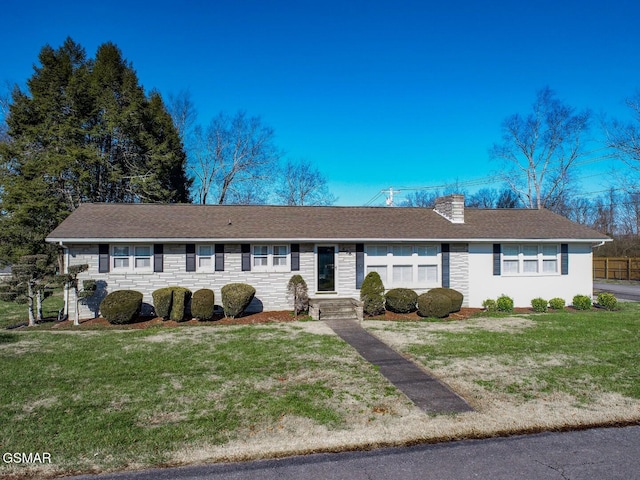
{"type": "Point", "coordinates": [252, 318]}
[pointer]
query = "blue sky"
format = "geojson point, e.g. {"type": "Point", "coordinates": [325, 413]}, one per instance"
{"type": "Point", "coordinates": [375, 93]}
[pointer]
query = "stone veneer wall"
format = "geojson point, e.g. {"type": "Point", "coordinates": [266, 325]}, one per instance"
{"type": "Point", "coordinates": [271, 287]}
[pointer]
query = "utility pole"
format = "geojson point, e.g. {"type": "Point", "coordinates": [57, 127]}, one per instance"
{"type": "Point", "coordinates": [390, 192]}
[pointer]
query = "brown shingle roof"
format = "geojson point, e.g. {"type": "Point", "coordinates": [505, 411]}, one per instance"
{"type": "Point", "coordinates": [95, 222]}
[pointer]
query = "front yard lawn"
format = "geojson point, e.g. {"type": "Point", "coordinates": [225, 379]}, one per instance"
{"type": "Point", "coordinates": [100, 400]}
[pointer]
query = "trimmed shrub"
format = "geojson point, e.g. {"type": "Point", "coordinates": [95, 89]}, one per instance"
{"type": "Point", "coordinates": [181, 297]}
{"type": "Point", "coordinates": [490, 305]}
{"type": "Point", "coordinates": [372, 294]}
{"type": "Point", "coordinates": [162, 299]}
{"type": "Point", "coordinates": [539, 305]}
{"type": "Point", "coordinates": [455, 296]}
{"type": "Point", "coordinates": [434, 304]}
{"type": "Point", "coordinates": [236, 297]}
{"type": "Point", "coordinates": [504, 304]}
{"type": "Point", "coordinates": [203, 304]}
{"type": "Point", "coordinates": [582, 302]}
{"type": "Point", "coordinates": [557, 303]}
{"type": "Point", "coordinates": [607, 300]}
{"type": "Point", "coordinates": [401, 300]}
{"type": "Point", "coordinates": [298, 289]}
{"type": "Point", "coordinates": [121, 306]}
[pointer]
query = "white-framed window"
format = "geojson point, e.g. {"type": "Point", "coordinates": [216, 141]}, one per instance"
{"type": "Point", "coordinates": [381, 270]}
{"type": "Point", "coordinates": [205, 257]}
{"type": "Point", "coordinates": [270, 257]}
{"type": "Point", "coordinates": [530, 259]}
{"type": "Point", "coordinates": [131, 258]}
{"type": "Point", "coordinates": [404, 265]}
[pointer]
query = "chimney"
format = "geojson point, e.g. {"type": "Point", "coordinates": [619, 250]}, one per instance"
{"type": "Point", "coordinates": [451, 207]}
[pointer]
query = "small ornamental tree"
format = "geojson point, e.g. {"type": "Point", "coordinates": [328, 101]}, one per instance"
{"type": "Point", "coordinates": [372, 294]}
{"type": "Point", "coordinates": [30, 276]}
{"type": "Point", "coordinates": [298, 290]}
{"type": "Point", "coordinates": [70, 280]}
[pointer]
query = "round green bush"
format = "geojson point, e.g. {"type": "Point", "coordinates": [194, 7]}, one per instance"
{"type": "Point", "coordinates": [539, 305]}
{"type": "Point", "coordinates": [582, 302]}
{"type": "Point", "coordinates": [434, 304]}
{"type": "Point", "coordinates": [557, 303]}
{"type": "Point", "coordinates": [455, 296]}
{"type": "Point", "coordinates": [401, 300]}
{"type": "Point", "coordinates": [504, 304]}
{"type": "Point", "coordinates": [607, 300]}
{"type": "Point", "coordinates": [202, 304]}
{"type": "Point", "coordinates": [162, 299]}
{"type": "Point", "coordinates": [490, 305]}
{"type": "Point", "coordinates": [121, 306]}
{"type": "Point", "coordinates": [236, 297]}
{"type": "Point", "coordinates": [372, 294]}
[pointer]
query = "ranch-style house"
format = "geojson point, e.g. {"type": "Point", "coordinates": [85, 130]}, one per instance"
{"type": "Point", "coordinates": [483, 253]}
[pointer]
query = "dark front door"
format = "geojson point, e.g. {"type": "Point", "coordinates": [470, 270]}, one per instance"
{"type": "Point", "coordinates": [326, 269]}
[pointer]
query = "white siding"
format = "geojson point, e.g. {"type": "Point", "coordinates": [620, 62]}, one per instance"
{"type": "Point", "coordinates": [523, 288]}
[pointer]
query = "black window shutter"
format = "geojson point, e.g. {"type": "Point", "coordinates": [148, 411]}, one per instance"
{"type": "Point", "coordinates": [245, 248]}
{"type": "Point", "coordinates": [446, 265]}
{"type": "Point", "coordinates": [191, 257]}
{"type": "Point", "coordinates": [564, 259]}
{"type": "Point", "coordinates": [497, 250]}
{"type": "Point", "coordinates": [359, 264]}
{"type": "Point", "coordinates": [219, 250]}
{"type": "Point", "coordinates": [295, 257]}
{"type": "Point", "coordinates": [103, 258]}
{"type": "Point", "coordinates": [158, 257]}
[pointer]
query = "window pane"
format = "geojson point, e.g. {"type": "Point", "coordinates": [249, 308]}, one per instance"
{"type": "Point", "coordinates": [510, 250]}
{"type": "Point", "coordinates": [402, 250]}
{"type": "Point", "coordinates": [402, 274]}
{"type": "Point", "coordinates": [121, 262]}
{"type": "Point", "coordinates": [549, 250]}
{"type": "Point", "coordinates": [377, 250]}
{"type": "Point", "coordinates": [510, 266]}
{"type": "Point", "coordinates": [260, 250]}
{"type": "Point", "coordinates": [550, 266]}
{"type": "Point", "coordinates": [427, 251]}
{"type": "Point", "coordinates": [427, 273]}
{"type": "Point", "coordinates": [380, 269]}
{"type": "Point", "coordinates": [530, 266]}
{"type": "Point", "coordinates": [120, 251]}
{"type": "Point", "coordinates": [204, 262]}
{"type": "Point", "coordinates": [205, 250]}
{"type": "Point", "coordinates": [280, 250]}
{"type": "Point", "coordinates": [259, 261]}
{"type": "Point", "coordinates": [280, 261]}
{"type": "Point", "coordinates": [530, 250]}
{"type": "Point", "coordinates": [142, 262]}
{"type": "Point", "coordinates": [143, 251]}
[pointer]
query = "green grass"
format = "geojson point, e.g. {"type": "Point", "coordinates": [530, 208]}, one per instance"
{"type": "Point", "coordinates": [12, 313]}
{"type": "Point", "coordinates": [574, 352]}
{"type": "Point", "coordinates": [110, 398]}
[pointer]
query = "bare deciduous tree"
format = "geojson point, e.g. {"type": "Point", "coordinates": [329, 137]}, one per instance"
{"type": "Point", "coordinates": [624, 137]}
{"type": "Point", "coordinates": [540, 150]}
{"type": "Point", "coordinates": [302, 184]}
{"type": "Point", "coordinates": [231, 157]}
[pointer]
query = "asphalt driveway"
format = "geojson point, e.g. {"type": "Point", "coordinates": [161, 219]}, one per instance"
{"type": "Point", "coordinates": [622, 292]}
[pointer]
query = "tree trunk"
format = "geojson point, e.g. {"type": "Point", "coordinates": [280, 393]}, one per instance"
{"type": "Point", "coordinates": [32, 318]}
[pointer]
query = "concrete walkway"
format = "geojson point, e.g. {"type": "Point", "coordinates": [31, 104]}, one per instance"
{"type": "Point", "coordinates": [425, 391]}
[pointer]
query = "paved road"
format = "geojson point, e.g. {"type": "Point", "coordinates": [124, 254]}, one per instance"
{"type": "Point", "coordinates": [610, 454]}
{"type": "Point", "coordinates": [624, 292]}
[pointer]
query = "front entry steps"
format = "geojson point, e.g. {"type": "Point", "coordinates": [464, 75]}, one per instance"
{"type": "Point", "coordinates": [335, 309]}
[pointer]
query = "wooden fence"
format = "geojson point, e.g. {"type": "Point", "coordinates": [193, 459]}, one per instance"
{"type": "Point", "coordinates": [611, 268]}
